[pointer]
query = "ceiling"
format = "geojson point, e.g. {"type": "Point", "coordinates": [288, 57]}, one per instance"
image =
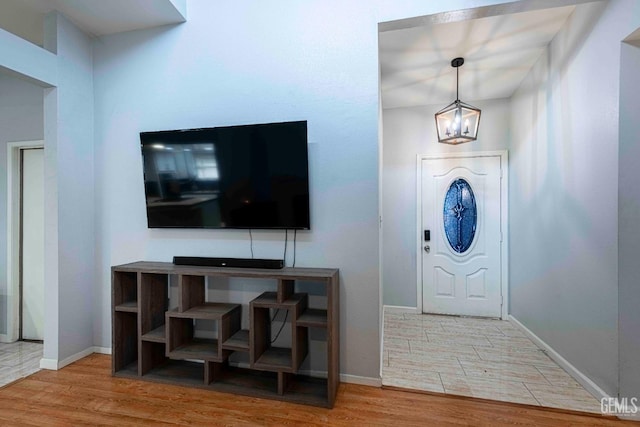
{"type": "Point", "coordinates": [499, 51]}
{"type": "Point", "coordinates": [95, 17]}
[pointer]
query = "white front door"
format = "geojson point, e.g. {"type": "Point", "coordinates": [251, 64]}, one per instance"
{"type": "Point", "coordinates": [32, 250]}
{"type": "Point", "coordinates": [461, 236]}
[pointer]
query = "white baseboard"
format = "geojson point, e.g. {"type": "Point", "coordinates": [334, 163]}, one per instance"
{"type": "Point", "coordinates": [54, 365]}
{"type": "Point", "coordinates": [399, 309]}
{"type": "Point", "coordinates": [581, 378]}
{"type": "Point", "coordinates": [355, 379]}
{"type": "Point", "coordinates": [102, 350]}
{"type": "Point", "coordinates": [50, 364]}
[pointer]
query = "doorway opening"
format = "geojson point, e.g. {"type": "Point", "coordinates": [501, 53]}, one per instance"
{"type": "Point", "coordinates": [25, 232]}
{"type": "Point", "coordinates": [455, 351]}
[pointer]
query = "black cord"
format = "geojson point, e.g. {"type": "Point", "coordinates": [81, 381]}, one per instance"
{"type": "Point", "coordinates": [284, 322]}
{"type": "Point", "coordinates": [275, 314]}
{"type": "Point", "coordinates": [251, 238]}
{"type": "Point", "coordinates": [295, 233]}
{"type": "Point", "coordinates": [286, 238]}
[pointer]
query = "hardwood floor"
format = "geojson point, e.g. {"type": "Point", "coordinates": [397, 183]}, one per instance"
{"type": "Point", "coordinates": [84, 393]}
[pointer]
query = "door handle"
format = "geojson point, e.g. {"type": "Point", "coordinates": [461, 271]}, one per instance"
{"type": "Point", "coordinates": [427, 249]}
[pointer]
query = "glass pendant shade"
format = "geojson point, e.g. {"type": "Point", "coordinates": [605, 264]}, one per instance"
{"type": "Point", "coordinates": [457, 123]}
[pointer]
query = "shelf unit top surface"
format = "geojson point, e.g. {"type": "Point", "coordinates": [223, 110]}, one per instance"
{"type": "Point", "coordinates": [284, 273]}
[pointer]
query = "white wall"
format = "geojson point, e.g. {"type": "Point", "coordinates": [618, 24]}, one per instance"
{"type": "Point", "coordinates": [181, 6]}
{"type": "Point", "coordinates": [65, 70]}
{"type": "Point", "coordinates": [628, 220]}
{"type": "Point", "coordinates": [22, 58]}
{"type": "Point", "coordinates": [20, 120]}
{"type": "Point", "coordinates": [564, 191]}
{"type": "Point", "coordinates": [251, 62]}
{"type": "Point", "coordinates": [69, 193]}
{"type": "Point", "coordinates": [408, 132]}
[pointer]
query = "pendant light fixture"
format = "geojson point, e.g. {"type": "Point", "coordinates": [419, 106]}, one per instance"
{"type": "Point", "coordinates": [457, 122]}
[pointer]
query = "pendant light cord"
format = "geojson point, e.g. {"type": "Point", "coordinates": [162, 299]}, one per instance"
{"type": "Point", "coordinates": [457, 83]}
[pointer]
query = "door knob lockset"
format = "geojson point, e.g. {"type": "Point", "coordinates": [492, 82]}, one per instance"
{"type": "Point", "coordinates": [427, 249]}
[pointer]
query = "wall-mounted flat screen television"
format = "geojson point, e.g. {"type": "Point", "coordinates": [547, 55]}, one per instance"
{"type": "Point", "coordinates": [251, 176]}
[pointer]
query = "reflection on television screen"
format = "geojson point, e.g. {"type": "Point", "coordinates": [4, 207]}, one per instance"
{"type": "Point", "coordinates": [253, 176]}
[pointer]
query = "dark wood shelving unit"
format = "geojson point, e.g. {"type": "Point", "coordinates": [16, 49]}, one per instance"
{"type": "Point", "coordinates": [157, 335]}
{"type": "Point", "coordinates": [197, 348]}
{"type": "Point", "coordinates": [154, 343]}
{"type": "Point", "coordinates": [179, 372]}
{"type": "Point", "coordinates": [238, 341]}
{"type": "Point", "coordinates": [131, 369]}
{"type": "Point", "coordinates": [181, 342]}
{"type": "Point", "coordinates": [207, 310]}
{"type": "Point", "coordinates": [128, 307]}
{"type": "Point", "coordinates": [271, 300]}
{"type": "Point", "coordinates": [313, 318]}
{"type": "Point", "coordinates": [263, 355]}
{"type": "Point", "coordinates": [276, 359]}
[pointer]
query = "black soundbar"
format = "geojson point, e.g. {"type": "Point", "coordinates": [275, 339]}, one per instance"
{"type": "Point", "coordinates": [273, 264]}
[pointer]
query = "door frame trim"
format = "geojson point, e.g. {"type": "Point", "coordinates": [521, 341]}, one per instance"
{"type": "Point", "coordinates": [504, 219]}
{"type": "Point", "coordinates": [13, 235]}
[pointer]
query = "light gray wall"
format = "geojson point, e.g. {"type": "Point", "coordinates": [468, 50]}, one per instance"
{"type": "Point", "coordinates": [564, 191]}
{"type": "Point", "coordinates": [20, 120]}
{"type": "Point", "coordinates": [628, 222]}
{"type": "Point", "coordinates": [408, 132]}
{"type": "Point", "coordinates": [70, 197]}
{"type": "Point", "coordinates": [250, 62]}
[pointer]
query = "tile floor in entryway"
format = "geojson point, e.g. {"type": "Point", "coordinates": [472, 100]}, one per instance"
{"type": "Point", "coordinates": [18, 360]}
{"type": "Point", "coordinates": [484, 358]}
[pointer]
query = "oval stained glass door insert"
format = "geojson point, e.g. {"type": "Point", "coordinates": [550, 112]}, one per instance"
{"type": "Point", "coordinates": [460, 215]}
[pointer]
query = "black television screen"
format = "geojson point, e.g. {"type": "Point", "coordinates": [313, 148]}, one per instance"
{"type": "Point", "coordinates": [251, 176]}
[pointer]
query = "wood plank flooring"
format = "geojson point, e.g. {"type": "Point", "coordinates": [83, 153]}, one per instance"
{"type": "Point", "coordinates": [85, 393]}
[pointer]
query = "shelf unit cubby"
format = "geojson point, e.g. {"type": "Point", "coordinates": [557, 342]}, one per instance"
{"type": "Point", "coordinates": [155, 343]}
{"type": "Point", "coordinates": [153, 301]}
{"type": "Point", "coordinates": [125, 292]}
{"type": "Point", "coordinates": [181, 342]}
{"type": "Point", "coordinates": [124, 299]}
{"type": "Point", "coordinates": [266, 357]}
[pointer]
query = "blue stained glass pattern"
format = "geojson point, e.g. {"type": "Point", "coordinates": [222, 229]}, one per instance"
{"type": "Point", "coordinates": [460, 215]}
